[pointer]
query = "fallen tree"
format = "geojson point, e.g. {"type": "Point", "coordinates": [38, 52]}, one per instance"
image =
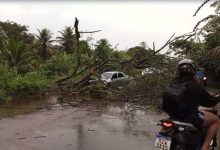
{"type": "Point", "coordinates": [138, 89]}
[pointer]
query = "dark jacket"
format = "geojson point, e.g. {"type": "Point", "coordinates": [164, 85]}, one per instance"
{"type": "Point", "coordinates": [194, 97]}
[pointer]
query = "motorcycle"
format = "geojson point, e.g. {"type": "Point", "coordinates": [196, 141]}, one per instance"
{"type": "Point", "coordinates": [178, 135]}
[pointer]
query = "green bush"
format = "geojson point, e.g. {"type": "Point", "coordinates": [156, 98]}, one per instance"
{"type": "Point", "coordinates": [13, 84]}
{"type": "Point", "coordinates": [59, 64]}
{"type": "Point", "coordinates": [5, 76]}
{"type": "Point", "coordinates": [28, 83]}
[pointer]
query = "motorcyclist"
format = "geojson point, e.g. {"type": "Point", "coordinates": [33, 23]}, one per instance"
{"type": "Point", "coordinates": [194, 97]}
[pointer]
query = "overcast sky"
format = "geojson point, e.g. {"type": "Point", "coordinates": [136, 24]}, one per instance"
{"type": "Point", "coordinates": [127, 23]}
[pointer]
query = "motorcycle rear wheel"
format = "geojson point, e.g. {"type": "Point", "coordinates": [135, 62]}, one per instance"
{"type": "Point", "coordinates": [182, 147]}
{"type": "Point", "coordinates": [178, 147]}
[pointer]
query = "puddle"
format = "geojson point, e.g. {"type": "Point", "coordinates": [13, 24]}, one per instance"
{"type": "Point", "coordinates": [26, 105]}
{"type": "Point", "coordinates": [96, 126]}
{"type": "Point", "coordinates": [118, 126]}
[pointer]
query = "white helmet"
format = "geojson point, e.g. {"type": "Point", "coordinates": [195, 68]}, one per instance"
{"type": "Point", "coordinates": [186, 66]}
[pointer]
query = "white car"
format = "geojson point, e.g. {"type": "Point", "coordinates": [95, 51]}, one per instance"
{"type": "Point", "coordinates": [114, 77]}
{"type": "Point", "coordinates": [150, 70]}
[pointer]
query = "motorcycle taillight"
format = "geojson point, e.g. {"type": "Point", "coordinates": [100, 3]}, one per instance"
{"type": "Point", "coordinates": [167, 124]}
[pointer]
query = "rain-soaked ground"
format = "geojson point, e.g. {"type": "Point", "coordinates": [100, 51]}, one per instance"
{"type": "Point", "coordinates": [88, 126]}
{"type": "Point", "coordinates": [43, 123]}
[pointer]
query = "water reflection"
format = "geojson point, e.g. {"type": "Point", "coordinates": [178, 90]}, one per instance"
{"type": "Point", "coordinates": [131, 116]}
{"type": "Point", "coordinates": [26, 105]}
{"type": "Point", "coordinates": [116, 126]}
{"type": "Point", "coordinates": [107, 126]}
{"type": "Point", "coordinates": [129, 112]}
{"type": "Point", "coordinates": [80, 138]}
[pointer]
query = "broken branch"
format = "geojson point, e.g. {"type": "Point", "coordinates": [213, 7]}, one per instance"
{"type": "Point", "coordinates": [200, 7]}
{"type": "Point", "coordinates": [90, 31]}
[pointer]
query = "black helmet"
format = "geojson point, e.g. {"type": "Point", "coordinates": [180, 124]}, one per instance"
{"type": "Point", "coordinates": [186, 67]}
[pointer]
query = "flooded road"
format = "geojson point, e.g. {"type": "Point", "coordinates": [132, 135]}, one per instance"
{"type": "Point", "coordinates": [90, 126]}
{"type": "Point", "coordinates": [26, 105]}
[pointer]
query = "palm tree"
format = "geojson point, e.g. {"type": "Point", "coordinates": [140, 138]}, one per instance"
{"type": "Point", "coordinates": [15, 54]}
{"type": "Point", "coordinates": [67, 39]}
{"type": "Point", "coordinates": [44, 40]}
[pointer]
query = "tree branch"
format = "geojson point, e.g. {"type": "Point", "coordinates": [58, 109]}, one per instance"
{"type": "Point", "coordinates": [90, 31]}
{"type": "Point", "coordinates": [203, 20]}
{"type": "Point", "coordinates": [200, 7]}
{"type": "Point", "coordinates": [157, 51]}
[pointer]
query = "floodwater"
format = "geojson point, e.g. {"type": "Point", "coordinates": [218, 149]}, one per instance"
{"type": "Point", "coordinates": [26, 105]}
{"type": "Point", "coordinates": [90, 126]}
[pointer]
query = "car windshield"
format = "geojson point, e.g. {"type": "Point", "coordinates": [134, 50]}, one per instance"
{"type": "Point", "coordinates": [106, 75]}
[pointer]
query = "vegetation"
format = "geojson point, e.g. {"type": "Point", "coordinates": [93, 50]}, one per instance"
{"type": "Point", "coordinates": [43, 42]}
{"type": "Point", "coordinates": [203, 44]}
{"type": "Point", "coordinates": [35, 63]}
{"type": "Point", "coordinates": [67, 40]}
{"type": "Point", "coordinates": [15, 54]}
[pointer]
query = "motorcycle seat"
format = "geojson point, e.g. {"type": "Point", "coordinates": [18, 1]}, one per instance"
{"type": "Point", "coordinates": [184, 124]}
